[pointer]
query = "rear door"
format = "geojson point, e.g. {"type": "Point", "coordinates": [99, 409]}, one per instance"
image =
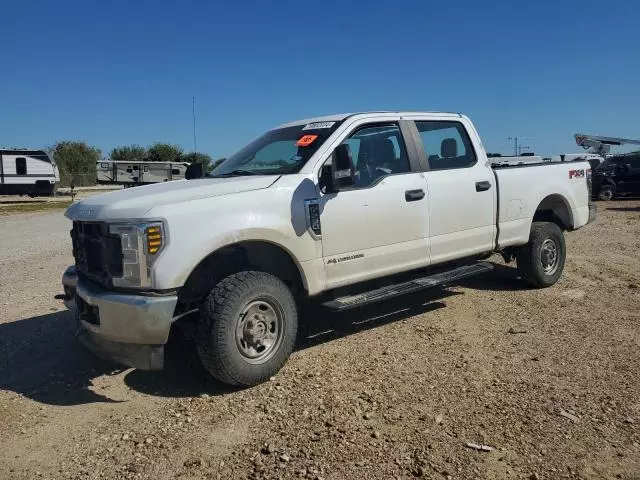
{"type": "Point", "coordinates": [461, 192]}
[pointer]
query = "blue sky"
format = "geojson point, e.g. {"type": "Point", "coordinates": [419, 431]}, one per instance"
{"type": "Point", "coordinates": [119, 72]}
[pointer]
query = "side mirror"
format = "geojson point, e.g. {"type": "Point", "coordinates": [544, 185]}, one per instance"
{"type": "Point", "coordinates": [343, 172]}
{"type": "Point", "coordinates": [194, 171]}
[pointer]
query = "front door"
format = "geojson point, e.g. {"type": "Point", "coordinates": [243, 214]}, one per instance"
{"type": "Point", "coordinates": [380, 226]}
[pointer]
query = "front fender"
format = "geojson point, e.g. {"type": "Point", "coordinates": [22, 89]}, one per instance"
{"type": "Point", "coordinates": [274, 237]}
{"type": "Point", "coordinates": [274, 215]}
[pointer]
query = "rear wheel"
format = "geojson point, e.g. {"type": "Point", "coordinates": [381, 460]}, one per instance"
{"type": "Point", "coordinates": [541, 261]}
{"type": "Point", "coordinates": [606, 193]}
{"type": "Point", "coordinates": [247, 328]}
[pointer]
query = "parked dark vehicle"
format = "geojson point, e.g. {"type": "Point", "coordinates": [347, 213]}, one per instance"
{"type": "Point", "coordinates": [617, 176]}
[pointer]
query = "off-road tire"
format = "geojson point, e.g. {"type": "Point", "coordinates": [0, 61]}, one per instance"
{"type": "Point", "coordinates": [606, 193]}
{"type": "Point", "coordinates": [530, 256]}
{"type": "Point", "coordinates": [219, 316]}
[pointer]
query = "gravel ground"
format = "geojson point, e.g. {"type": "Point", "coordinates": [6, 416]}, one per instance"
{"type": "Point", "coordinates": [546, 379]}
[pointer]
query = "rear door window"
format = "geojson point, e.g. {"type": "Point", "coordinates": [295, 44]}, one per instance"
{"type": "Point", "coordinates": [446, 145]}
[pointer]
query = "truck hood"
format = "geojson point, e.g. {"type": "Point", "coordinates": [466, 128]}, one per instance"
{"type": "Point", "coordinates": [135, 202]}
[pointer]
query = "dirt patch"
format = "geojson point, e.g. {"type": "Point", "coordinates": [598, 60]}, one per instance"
{"type": "Point", "coordinates": [547, 378]}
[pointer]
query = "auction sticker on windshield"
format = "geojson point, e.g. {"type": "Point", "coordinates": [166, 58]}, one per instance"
{"type": "Point", "coordinates": [316, 125]}
{"type": "Point", "coordinates": [306, 140]}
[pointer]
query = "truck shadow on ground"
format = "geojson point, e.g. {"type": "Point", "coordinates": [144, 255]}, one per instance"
{"type": "Point", "coordinates": [184, 375]}
{"type": "Point", "coordinates": [41, 359]}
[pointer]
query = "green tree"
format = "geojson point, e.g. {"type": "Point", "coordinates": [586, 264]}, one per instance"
{"type": "Point", "coordinates": [77, 162]}
{"type": "Point", "coordinates": [129, 153]}
{"type": "Point", "coordinates": [197, 157]}
{"type": "Point", "coordinates": [164, 152]}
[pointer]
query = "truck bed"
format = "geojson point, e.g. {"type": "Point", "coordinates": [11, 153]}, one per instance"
{"type": "Point", "coordinates": [522, 188]}
{"type": "Point", "coordinates": [509, 161]}
{"type": "Point", "coordinates": [526, 161]}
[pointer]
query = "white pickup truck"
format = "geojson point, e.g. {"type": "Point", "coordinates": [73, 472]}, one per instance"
{"type": "Point", "coordinates": [315, 208]}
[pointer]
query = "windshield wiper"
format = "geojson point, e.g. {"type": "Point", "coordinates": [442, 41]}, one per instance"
{"type": "Point", "coordinates": [237, 173]}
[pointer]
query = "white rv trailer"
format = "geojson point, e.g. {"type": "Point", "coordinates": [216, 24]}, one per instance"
{"type": "Point", "coordinates": [138, 173]}
{"type": "Point", "coordinates": [27, 172]}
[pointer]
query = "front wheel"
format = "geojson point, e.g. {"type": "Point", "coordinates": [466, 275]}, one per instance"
{"type": "Point", "coordinates": [541, 261]}
{"type": "Point", "coordinates": [248, 327]}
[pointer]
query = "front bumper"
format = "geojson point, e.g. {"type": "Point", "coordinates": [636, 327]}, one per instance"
{"type": "Point", "coordinates": [126, 328]}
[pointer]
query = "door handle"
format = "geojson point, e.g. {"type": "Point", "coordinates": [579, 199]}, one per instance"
{"type": "Point", "coordinates": [483, 186]}
{"type": "Point", "coordinates": [414, 195]}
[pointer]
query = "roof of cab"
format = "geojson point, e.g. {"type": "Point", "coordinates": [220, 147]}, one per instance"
{"type": "Point", "coordinates": [327, 118]}
{"type": "Point", "coordinates": [341, 116]}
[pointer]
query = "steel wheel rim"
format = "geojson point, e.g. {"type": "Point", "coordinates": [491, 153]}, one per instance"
{"type": "Point", "coordinates": [549, 256]}
{"type": "Point", "coordinates": [259, 330]}
{"type": "Point", "coordinates": [607, 194]}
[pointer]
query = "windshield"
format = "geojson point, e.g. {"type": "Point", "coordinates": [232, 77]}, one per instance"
{"type": "Point", "coordinates": [277, 152]}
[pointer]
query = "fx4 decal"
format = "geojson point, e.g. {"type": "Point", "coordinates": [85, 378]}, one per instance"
{"type": "Point", "coordinates": [577, 173]}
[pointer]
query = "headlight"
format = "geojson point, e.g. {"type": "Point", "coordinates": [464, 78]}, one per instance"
{"type": "Point", "coordinates": [141, 244]}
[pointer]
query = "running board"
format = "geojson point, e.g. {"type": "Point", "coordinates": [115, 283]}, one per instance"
{"type": "Point", "coordinates": [415, 285]}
